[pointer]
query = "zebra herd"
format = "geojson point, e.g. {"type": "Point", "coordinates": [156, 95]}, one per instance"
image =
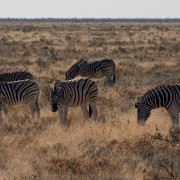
{"type": "Point", "coordinates": [20, 87]}
{"type": "Point", "coordinates": [81, 91]}
{"type": "Point", "coordinates": [16, 88]}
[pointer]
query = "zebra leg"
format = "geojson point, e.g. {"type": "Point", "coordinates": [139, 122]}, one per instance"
{"type": "Point", "coordinates": [33, 108]}
{"type": "Point", "coordinates": [85, 111]}
{"type": "Point", "coordinates": [113, 75]}
{"type": "Point", "coordinates": [175, 129]}
{"type": "Point", "coordinates": [65, 114]}
{"type": "Point", "coordinates": [37, 110]}
{"type": "Point", "coordinates": [0, 114]}
{"type": "Point", "coordinates": [32, 111]}
{"type": "Point", "coordinates": [174, 118]}
{"type": "Point", "coordinates": [5, 109]}
{"type": "Point", "coordinates": [61, 115]}
{"type": "Point", "coordinates": [1, 108]}
{"type": "Point", "coordinates": [94, 110]}
{"type": "Point", "coordinates": [60, 110]}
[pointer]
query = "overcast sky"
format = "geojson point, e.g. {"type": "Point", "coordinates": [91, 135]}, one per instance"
{"type": "Point", "coordinates": [90, 8]}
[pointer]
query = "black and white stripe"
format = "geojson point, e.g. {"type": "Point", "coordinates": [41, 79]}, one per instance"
{"type": "Point", "coordinates": [15, 76]}
{"type": "Point", "coordinates": [167, 96]}
{"type": "Point", "coordinates": [93, 68]}
{"type": "Point", "coordinates": [17, 92]}
{"type": "Point", "coordinates": [73, 93]}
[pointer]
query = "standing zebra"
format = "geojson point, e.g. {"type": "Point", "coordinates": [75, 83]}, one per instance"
{"type": "Point", "coordinates": [167, 96]}
{"type": "Point", "coordinates": [73, 93]}
{"type": "Point", "coordinates": [93, 68]}
{"type": "Point", "coordinates": [17, 92]}
{"type": "Point", "coordinates": [15, 76]}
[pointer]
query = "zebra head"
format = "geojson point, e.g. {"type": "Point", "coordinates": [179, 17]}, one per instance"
{"type": "Point", "coordinates": [54, 100]}
{"type": "Point", "coordinates": [72, 72]}
{"type": "Point", "coordinates": [143, 112]}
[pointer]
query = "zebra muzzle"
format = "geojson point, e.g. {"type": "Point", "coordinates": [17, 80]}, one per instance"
{"type": "Point", "coordinates": [54, 108]}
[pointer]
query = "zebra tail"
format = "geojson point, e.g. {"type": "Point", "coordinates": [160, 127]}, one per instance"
{"type": "Point", "coordinates": [90, 111]}
{"type": "Point", "coordinates": [114, 75]}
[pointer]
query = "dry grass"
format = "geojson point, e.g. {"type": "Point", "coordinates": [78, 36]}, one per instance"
{"type": "Point", "coordinates": [114, 147]}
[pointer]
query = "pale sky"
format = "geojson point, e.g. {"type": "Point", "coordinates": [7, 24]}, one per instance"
{"type": "Point", "coordinates": [90, 8]}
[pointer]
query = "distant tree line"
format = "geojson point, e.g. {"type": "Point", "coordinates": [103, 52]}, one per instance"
{"type": "Point", "coordinates": [81, 20]}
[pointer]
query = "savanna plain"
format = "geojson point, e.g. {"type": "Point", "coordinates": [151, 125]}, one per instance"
{"type": "Point", "coordinates": [113, 147]}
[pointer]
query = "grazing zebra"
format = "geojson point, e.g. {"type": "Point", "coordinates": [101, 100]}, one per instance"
{"type": "Point", "coordinates": [15, 76]}
{"type": "Point", "coordinates": [167, 96]}
{"type": "Point", "coordinates": [17, 92]}
{"type": "Point", "coordinates": [93, 68]}
{"type": "Point", "coordinates": [73, 93]}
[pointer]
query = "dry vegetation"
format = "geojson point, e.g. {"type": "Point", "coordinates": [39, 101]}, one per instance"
{"type": "Point", "coordinates": [115, 147]}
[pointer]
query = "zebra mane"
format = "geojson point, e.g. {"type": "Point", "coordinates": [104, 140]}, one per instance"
{"type": "Point", "coordinates": [81, 60]}
{"type": "Point", "coordinates": [10, 72]}
{"type": "Point", "coordinates": [77, 63]}
{"type": "Point", "coordinates": [10, 82]}
{"type": "Point", "coordinates": [162, 86]}
{"type": "Point", "coordinates": [55, 84]}
{"type": "Point", "coordinates": [89, 59]}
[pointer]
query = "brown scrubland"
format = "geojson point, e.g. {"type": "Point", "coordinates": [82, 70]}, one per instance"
{"type": "Point", "coordinates": [113, 147]}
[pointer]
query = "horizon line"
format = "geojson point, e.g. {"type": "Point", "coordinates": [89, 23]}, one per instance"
{"type": "Point", "coordinates": [86, 18]}
{"type": "Point", "coordinates": [75, 19]}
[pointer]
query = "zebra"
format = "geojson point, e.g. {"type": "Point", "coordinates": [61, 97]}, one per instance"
{"type": "Point", "coordinates": [73, 93]}
{"type": "Point", "coordinates": [19, 92]}
{"type": "Point", "coordinates": [167, 96]}
{"type": "Point", "coordinates": [93, 68]}
{"type": "Point", "coordinates": [15, 76]}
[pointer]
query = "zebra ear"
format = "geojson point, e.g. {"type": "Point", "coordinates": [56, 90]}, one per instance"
{"type": "Point", "coordinates": [58, 88]}
{"type": "Point", "coordinates": [59, 91]}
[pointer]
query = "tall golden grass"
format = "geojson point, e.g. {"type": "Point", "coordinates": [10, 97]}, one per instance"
{"type": "Point", "coordinates": [113, 147]}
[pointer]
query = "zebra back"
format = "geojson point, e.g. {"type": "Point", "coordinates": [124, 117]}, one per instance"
{"type": "Point", "coordinates": [95, 68]}
{"type": "Point", "coordinates": [161, 96]}
{"type": "Point", "coordinates": [19, 91]}
{"type": "Point", "coordinates": [92, 68]}
{"type": "Point", "coordinates": [15, 76]}
{"type": "Point", "coordinates": [76, 91]}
